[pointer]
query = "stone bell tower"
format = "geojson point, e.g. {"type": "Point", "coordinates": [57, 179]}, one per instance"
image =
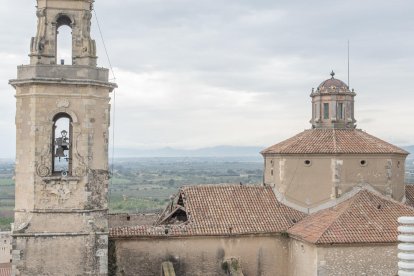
{"type": "Point", "coordinates": [62, 121]}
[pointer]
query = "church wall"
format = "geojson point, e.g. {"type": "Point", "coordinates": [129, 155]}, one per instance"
{"type": "Point", "coordinates": [384, 172]}
{"type": "Point", "coordinates": [327, 177]}
{"type": "Point", "coordinates": [357, 260]}
{"type": "Point", "coordinates": [302, 258]}
{"type": "Point", "coordinates": [291, 177]}
{"type": "Point", "coordinates": [259, 255]}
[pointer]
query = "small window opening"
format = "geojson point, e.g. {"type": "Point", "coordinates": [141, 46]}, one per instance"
{"type": "Point", "coordinates": [307, 162]}
{"type": "Point", "coordinates": [62, 145]}
{"type": "Point", "coordinates": [340, 110]}
{"type": "Point", "coordinates": [128, 218]}
{"type": "Point", "coordinates": [271, 172]}
{"type": "Point", "coordinates": [64, 41]}
{"type": "Point", "coordinates": [326, 110]}
{"type": "Point", "coordinates": [398, 164]}
{"type": "Point", "coordinates": [363, 162]}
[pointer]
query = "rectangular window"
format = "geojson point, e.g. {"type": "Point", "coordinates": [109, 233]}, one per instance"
{"type": "Point", "coordinates": [326, 110]}
{"type": "Point", "coordinates": [340, 110]}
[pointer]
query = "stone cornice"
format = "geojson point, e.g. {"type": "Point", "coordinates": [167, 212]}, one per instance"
{"type": "Point", "coordinates": [81, 82]}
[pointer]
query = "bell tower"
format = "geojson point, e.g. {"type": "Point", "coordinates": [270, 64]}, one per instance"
{"type": "Point", "coordinates": [62, 121]}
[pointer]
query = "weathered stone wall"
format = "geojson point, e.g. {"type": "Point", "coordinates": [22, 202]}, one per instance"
{"type": "Point", "coordinates": [5, 247]}
{"type": "Point", "coordinates": [357, 260]}
{"type": "Point", "coordinates": [328, 177]}
{"type": "Point", "coordinates": [259, 255]}
{"type": "Point", "coordinates": [335, 260]}
{"type": "Point", "coordinates": [67, 255]}
{"type": "Point", "coordinates": [302, 258]}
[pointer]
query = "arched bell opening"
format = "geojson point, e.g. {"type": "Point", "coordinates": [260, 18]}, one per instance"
{"type": "Point", "coordinates": [62, 144]}
{"type": "Point", "coordinates": [64, 40]}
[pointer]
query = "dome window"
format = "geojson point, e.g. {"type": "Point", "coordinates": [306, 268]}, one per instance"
{"type": "Point", "coordinates": [326, 110]}
{"type": "Point", "coordinates": [363, 163]}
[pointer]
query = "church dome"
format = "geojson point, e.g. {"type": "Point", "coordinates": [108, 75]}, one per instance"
{"type": "Point", "coordinates": [333, 85]}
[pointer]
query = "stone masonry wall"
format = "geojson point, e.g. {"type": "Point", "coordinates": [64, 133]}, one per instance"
{"type": "Point", "coordinates": [203, 256]}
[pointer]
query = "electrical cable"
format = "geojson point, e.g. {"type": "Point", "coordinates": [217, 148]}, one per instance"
{"type": "Point", "coordinates": [113, 98]}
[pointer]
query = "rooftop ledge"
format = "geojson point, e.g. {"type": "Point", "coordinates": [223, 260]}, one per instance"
{"type": "Point", "coordinates": [68, 73]}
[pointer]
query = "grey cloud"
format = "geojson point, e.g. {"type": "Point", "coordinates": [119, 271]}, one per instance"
{"type": "Point", "coordinates": [235, 71]}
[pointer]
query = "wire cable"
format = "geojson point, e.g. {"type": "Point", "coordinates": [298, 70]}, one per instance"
{"type": "Point", "coordinates": [114, 95]}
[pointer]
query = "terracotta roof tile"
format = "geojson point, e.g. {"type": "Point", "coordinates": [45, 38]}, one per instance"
{"type": "Point", "coordinates": [333, 141]}
{"type": "Point", "coordinates": [367, 217]}
{"type": "Point", "coordinates": [5, 271]}
{"type": "Point", "coordinates": [224, 210]}
{"type": "Point", "coordinates": [409, 195]}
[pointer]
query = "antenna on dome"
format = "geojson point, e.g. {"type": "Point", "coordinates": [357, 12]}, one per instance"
{"type": "Point", "coordinates": [348, 63]}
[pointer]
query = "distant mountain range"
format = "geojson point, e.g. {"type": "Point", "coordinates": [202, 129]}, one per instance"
{"type": "Point", "coordinates": [252, 152]}
{"type": "Point", "coordinates": [219, 151]}
{"type": "Point", "coordinates": [410, 149]}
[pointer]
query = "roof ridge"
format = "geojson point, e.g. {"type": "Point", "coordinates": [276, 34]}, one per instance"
{"type": "Point", "coordinates": [223, 185]}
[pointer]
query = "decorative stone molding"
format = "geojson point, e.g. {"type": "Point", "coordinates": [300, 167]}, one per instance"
{"type": "Point", "coordinates": [57, 189]}
{"type": "Point", "coordinates": [62, 103]}
{"type": "Point", "coordinates": [79, 171]}
{"type": "Point", "coordinates": [42, 170]}
{"type": "Point", "coordinates": [43, 167]}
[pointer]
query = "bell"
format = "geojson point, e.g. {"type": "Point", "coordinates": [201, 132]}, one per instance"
{"type": "Point", "coordinates": [60, 152]}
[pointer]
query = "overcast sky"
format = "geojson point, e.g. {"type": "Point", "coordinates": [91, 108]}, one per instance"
{"type": "Point", "coordinates": [202, 73]}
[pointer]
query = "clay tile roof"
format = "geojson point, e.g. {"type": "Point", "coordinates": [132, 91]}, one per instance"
{"type": "Point", "coordinates": [367, 217]}
{"type": "Point", "coordinates": [5, 270]}
{"type": "Point", "coordinates": [409, 195]}
{"type": "Point", "coordinates": [224, 210]}
{"type": "Point", "coordinates": [333, 141]}
{"type": "Point", "coordinates": [332, 82]}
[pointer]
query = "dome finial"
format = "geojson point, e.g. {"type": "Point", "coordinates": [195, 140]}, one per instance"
{"type": "Point", "coordinates": [332, 74]}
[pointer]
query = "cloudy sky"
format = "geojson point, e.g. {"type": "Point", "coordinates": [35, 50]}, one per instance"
{"type": "Point", "coordinates": [202, 73]}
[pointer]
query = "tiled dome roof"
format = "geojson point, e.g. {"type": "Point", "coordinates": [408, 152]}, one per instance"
{"type": "Point", "coordinates": [333, 85]}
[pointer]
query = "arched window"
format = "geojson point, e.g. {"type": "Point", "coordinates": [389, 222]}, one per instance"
{"type": "Point", "coordinates": [64, 40]}
{"type": "Point", "coordinates": [62, 144]}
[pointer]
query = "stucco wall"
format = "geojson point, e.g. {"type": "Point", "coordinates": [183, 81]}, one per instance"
{"type": "Point", "coordinates": [302, 258]}
{"type": "Point", "coordinates": [259, 255]}
{"type": "Point", "coordinates": [357, 260]}
{"type": "Point", "coordinates": [328, 177]}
